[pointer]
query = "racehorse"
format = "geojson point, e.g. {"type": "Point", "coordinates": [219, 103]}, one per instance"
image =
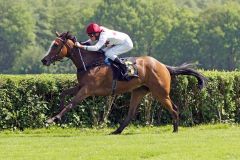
{"type": "Point", "coordinates": [95, 79]}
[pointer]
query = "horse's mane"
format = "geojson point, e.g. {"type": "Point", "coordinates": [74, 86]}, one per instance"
{"type": "Point", "coordinates": [67, 35]}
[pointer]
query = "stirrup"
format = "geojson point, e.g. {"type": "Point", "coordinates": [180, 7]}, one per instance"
{"type": "Point", "coordinates": [136, 76]}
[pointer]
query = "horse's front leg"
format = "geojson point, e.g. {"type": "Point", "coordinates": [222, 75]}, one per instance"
{"type": "Point", "coordinates": [69, 91]}
{"type": "Point", "coordinates": [81, 94]}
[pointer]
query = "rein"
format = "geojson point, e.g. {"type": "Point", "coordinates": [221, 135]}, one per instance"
{"type": "Point", "coordinates": [84, 66]}
{"type": "Point", "coordinates": [57, 57]}
{"type": "Point", "coordinates": [79, 52]}
{"type": "Point", "coordinates": [92, 65]}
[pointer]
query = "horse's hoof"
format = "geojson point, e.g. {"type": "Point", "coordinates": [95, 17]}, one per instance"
{"type": "Point", "coordinates": [116, 132]}
{"type": "Point", "coordinates": [55, 119]}
{"type": "Point", "coordinates": [47, 125]}
{"type": "Point", "coordinates": [50, 121]}
{"type": "Point", "coordinates": [175, 131]}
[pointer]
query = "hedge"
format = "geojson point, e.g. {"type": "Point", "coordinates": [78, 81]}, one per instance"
{"type": "Point", "coordinates": [26, 101]}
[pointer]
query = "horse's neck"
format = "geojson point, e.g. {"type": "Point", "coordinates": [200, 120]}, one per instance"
{"type": "Point", "coordinates": [81, 56]}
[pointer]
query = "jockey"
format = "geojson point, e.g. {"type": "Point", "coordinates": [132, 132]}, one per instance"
{"type": "Point", "coordinates": [113, 43]}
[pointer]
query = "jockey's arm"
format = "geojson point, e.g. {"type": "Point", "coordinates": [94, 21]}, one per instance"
{"type": "Point", "coordinates": [87, 42]}
{"type": "Point", "coordinates": [102, 40]}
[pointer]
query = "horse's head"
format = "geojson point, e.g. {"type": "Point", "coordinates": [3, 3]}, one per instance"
{"type": "Point", "coordinates": [59, 48]}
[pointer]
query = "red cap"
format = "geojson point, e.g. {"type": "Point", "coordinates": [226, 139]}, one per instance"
{"type": "Point", "coordinates": [93, 28]}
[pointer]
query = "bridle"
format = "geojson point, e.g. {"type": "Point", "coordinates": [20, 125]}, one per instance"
{"type": "Point", "coordinates": [57, 57]}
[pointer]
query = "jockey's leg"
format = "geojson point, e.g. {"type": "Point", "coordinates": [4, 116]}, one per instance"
{"type": "Point", "coordinates": [113, 53]}
{"type": "Point", "coordinates": [122, 66]}
{"type": "Point", "coordinates": [119, 49]}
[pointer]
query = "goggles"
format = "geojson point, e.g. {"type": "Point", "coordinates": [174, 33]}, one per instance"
{"type": "Point", "coordinates": [91, 34]}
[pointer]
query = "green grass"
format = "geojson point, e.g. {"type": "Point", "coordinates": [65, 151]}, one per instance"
{"type": "Point", "coordinates": [207, 142]}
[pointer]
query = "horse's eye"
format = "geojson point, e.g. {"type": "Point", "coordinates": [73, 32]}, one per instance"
{"type": "Point", "coordinates": [55, 46]}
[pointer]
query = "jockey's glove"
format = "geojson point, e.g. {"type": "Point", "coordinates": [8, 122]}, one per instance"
{"type": "Point", "coordinates": [77, 44]}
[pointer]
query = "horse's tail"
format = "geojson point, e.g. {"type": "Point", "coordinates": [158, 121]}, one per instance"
{"type": "Point", "coordinates": [187, 69]}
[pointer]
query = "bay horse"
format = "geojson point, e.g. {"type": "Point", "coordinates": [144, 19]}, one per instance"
{"type": "Point", "coordinates": [95, 79]}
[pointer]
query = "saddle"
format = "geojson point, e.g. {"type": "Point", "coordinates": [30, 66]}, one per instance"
{"type": "Point", "coordinates": [131, 71]}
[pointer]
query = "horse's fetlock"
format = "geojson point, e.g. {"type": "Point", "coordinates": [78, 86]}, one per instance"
{"type": "Point", "coordinates": [69, 106]}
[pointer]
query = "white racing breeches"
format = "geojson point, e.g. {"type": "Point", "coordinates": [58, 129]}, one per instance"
{"type": "Point", "coordinates": [116, 50]}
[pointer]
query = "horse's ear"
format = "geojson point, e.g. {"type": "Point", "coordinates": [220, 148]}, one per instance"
{"type": "Point", "coordinates": [67, 33]}
{"type": "Point", "coordinates": [57, 33]}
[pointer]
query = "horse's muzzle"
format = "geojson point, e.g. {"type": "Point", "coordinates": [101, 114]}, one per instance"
{"type": "Point", "coordinates": [45, 62]}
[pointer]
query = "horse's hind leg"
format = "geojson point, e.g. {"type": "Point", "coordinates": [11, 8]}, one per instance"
{"type": "Point", "coordinates": [175, 120]}
{"type": "Point", "coordinates": [172, 108]}
{"type": "Point", "coordinates": [136, 97]}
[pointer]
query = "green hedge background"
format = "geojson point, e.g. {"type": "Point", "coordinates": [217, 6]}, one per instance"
{"type": "Point", "coordinates": [26, 101]}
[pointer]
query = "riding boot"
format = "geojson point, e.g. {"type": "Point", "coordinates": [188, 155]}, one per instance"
{"type": "Point", "coordinates": [122, 66]}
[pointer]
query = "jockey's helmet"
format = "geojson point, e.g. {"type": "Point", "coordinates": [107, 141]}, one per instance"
{"type": "Point", "coordinates": [93, 28]}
